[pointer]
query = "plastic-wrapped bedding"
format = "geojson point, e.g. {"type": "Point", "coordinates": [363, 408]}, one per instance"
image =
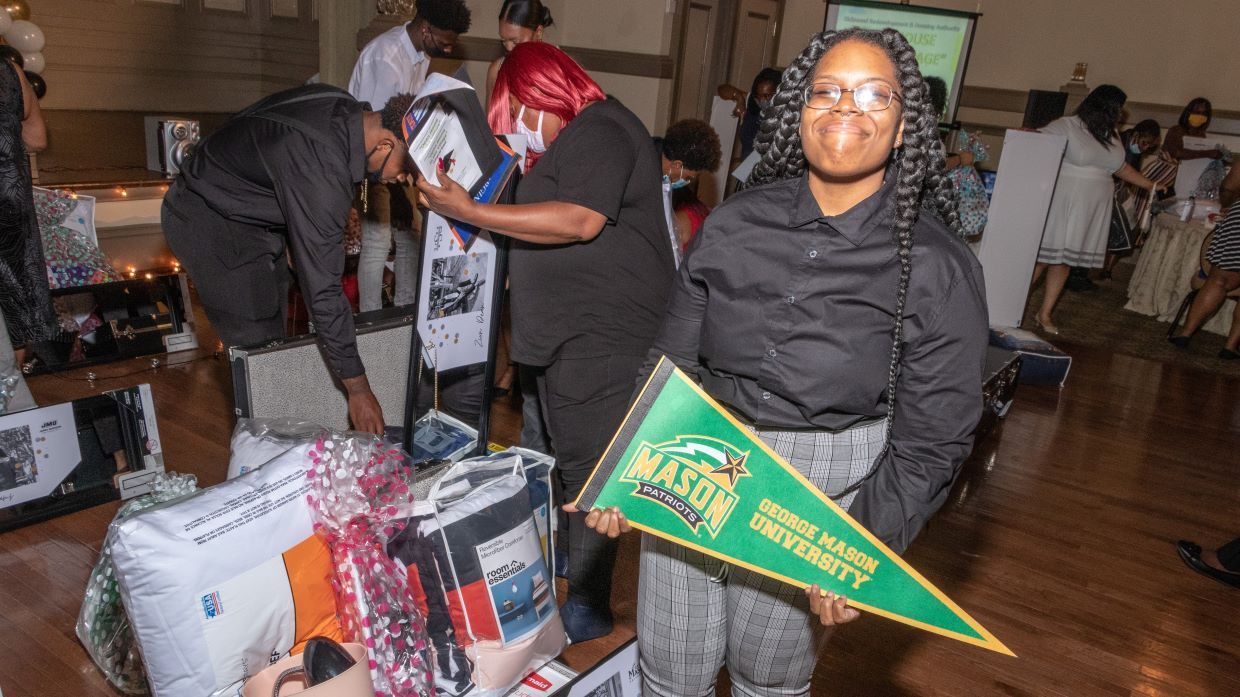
{"type": "Point", "coordinates": [102, 626]}
{"type": "Point", "coordinates": [221, 583]}
{"type": "Point", "coordinates": [477, 568]}
{"type": "Point", "coordinates": [255, 442]}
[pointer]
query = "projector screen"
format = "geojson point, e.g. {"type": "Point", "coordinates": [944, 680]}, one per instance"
{"type": "Point", "coordinates": [942, 38]}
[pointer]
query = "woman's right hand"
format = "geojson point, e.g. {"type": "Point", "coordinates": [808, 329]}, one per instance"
{"type": "Point", "coordinates": [605, 521]}
{"type": "Point", "coordinates": [449, 199]}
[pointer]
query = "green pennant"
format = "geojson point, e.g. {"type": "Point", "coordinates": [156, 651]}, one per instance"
{"type": "Point", "coordinates": [683, 468]}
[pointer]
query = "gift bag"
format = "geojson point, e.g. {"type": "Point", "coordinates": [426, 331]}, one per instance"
{"type": "Point", "coordinates": [359, 487]}
{"type": "Point", "coordinates": [440, 436]}
{"type": "Point", "coordinates": [102, 626]}
{"type": "Point", "coordinates": [478, 567]}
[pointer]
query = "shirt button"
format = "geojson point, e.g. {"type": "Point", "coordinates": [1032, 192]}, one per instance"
{"type": "Point", "coordinates": [813, 253]}
{"type": "Point", "coordinates": [766, 395]}
{"type": "Point", "coordinates": [770, 352]}
{"type": "Point", "coordinates": [791, 299]}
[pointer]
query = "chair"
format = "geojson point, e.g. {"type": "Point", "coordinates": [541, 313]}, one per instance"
{"type": "Point", "coordinates": [1198, 280]}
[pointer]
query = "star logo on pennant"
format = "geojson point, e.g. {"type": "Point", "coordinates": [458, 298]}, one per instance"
{"type": "Point", "coordinates": [734, 469]}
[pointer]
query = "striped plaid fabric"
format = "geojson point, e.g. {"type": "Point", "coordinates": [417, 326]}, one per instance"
{"type": "Point", "coordinates": [695, 613]}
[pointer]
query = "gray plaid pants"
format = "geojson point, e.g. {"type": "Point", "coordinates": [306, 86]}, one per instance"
{"type": "Point", "coordinates": [696, 614]}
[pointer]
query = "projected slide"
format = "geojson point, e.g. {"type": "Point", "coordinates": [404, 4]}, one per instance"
{"type": "Point", "coordinates": [941, 37]}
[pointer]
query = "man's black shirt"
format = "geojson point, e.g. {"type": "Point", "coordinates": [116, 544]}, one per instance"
{"type": "Point", "coordinates": [289, 165]}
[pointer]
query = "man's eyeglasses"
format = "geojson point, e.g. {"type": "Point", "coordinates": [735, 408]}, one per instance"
{"type": "Point", "coordinates": [871, 96]}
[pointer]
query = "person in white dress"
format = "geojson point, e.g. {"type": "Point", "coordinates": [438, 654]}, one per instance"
{"type": "Point", "coordinates": [1080, 214]}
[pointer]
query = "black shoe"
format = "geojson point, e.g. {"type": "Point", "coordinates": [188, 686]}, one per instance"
{"type": "Point", "coordinates": [1228, 355]}
{"type": "Point", "coordinates": [1180, 342]}
{"type": "Point", "coordinates": [1190, 553]}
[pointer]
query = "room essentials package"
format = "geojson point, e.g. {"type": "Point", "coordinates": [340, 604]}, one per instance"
{"type": "Point", "coordinates": [440, 436]}
{"type": "Point", "coordinates": [477, 567]}
{"type": "Point", "coordinates": [221, 583]}
{"type": "Point", "coordinates": [538, 468]}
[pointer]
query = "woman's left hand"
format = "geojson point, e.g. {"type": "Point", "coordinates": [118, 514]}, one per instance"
{"type": "Point", "coordinates": [449, 199]}
{"type": "Point", "coordinates": [831, 609]}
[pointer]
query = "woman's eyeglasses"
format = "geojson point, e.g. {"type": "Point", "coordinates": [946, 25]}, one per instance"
{"type": "Point", "coordinates": [871, 96]}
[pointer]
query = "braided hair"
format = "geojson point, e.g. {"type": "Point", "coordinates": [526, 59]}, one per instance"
{"type": "Point", "coordinates": [921, 182]}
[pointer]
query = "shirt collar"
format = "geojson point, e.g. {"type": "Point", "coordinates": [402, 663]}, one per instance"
{"type": "Point", "coordinates": [357, 138]}
{"type": "Point", "coordinates": [855, 223]}
{"type": "Point", "coordinates": [415, 56]}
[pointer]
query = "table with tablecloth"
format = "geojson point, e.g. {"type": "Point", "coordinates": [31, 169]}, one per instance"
{"type": "Point", "coordinates": [1165, 266]}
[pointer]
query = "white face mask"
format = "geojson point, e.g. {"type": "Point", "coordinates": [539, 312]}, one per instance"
{"type": "Point", "coordinates": [533, 138]}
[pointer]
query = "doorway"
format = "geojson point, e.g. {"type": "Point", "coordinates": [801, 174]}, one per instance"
{"type": "Point", "coordinates": [718, 42]}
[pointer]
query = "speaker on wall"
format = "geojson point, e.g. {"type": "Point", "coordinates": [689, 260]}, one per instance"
{"type": "Point", "coordinates": [169, 142]}
{"type": "Point", "coordinates": [289, 378]}
{"type": "Point", "coordinates": [1043, 106]}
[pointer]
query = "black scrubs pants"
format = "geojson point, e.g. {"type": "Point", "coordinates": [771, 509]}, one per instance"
{"type": "Point", "coordinates": [584, 400]}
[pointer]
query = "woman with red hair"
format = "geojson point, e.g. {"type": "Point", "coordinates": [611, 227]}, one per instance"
{"type": "Point", "coordinates": [590, 272]}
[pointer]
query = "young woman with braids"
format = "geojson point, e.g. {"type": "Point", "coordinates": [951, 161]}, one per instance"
{"type": "Point", "coordinates": [833, 307]}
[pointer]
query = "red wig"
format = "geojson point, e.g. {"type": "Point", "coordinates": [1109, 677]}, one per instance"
{"type": "Point", "coordinates": [541, 77]}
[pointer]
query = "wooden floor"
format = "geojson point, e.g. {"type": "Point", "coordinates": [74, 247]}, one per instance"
{"type": "Point", "coordinates": [1058, 538]}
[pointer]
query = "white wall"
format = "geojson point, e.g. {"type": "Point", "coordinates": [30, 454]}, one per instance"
{"type": "Point", "coordinates": [1157, 51]}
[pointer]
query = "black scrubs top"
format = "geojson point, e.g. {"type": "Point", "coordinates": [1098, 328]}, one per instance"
{"type": "Point", "coordinates": [607, 295]}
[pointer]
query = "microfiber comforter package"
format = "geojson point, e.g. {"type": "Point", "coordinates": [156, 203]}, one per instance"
{"type": "Point", "coordinates": [476, 555]}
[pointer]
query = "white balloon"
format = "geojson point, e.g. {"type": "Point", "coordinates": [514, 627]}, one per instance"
{"type": "Point", "coordinates": [33, 62]}
{"type": "Point", "coordinates": [25, 36]}
{"type": "Point", "coordinates": [6, 22]}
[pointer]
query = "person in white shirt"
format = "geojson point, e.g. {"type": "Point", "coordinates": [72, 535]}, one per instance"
{"type": "Point", "coordinates": [396, 62]}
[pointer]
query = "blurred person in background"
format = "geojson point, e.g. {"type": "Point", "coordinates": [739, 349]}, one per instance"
{"type": "Point", "coordinates": [1223, 255]}
{"type": "Point", "coordinates": [1079, 221]}
{"type": "Point", "coordinates": [519, 21]}
{"type": "Point", "coordinates": [688, 149]}
{"type": "Point", "coordinates": [749, 105]}
{"type": "Point", "coordinates": [396, 62]}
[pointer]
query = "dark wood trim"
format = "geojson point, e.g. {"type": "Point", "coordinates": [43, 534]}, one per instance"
{"type": "Point", "coordinates": [245, 11]}
{"type": "Point", "coordinates": [996, 98]}
{"type": "Point", "coordinates": [1226, 122]}
{"type": "Point", "coordinates": [476, 48]}
{"type": "Point", "coordinates": [595, 60]}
